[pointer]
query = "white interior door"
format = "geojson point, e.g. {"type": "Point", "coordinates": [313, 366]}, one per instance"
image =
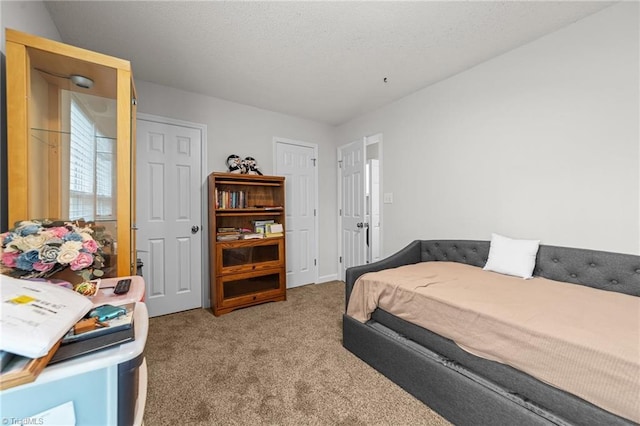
{"type": "Point", "coordinates": [352, 161]}
{"type": "Point", "coordinates": [297, 163]}
{"type": "Point", "coordinates": [169, 215]}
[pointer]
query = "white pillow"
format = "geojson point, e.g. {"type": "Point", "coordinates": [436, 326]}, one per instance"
{"type": "Point", "coordinates": [512, 257]}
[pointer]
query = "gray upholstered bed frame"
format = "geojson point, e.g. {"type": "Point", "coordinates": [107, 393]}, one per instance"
{"type": "Point", "coordinates": [465, 389]}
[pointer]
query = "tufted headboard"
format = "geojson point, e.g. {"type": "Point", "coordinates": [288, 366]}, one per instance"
{"type": "Point", "coordinates": [599, 269]}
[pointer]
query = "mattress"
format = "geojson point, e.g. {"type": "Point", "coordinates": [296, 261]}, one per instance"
{"type": "Point", "coordinates": [566, 335]}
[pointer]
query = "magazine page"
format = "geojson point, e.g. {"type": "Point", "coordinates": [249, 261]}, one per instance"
{"type": "Point", "coordinates": [35, 315]}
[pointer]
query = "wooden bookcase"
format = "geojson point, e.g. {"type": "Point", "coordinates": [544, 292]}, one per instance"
{"type": "Point", "coordinates": [245, 272]}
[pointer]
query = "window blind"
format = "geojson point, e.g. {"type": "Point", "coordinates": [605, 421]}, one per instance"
{"type": "Point", "coordinates": [92, 169]}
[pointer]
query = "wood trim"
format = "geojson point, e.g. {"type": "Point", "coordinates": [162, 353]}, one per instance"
{"type": "Point", "coordinates": [123, 173]}
{"type": "Point", "coordinates": [17, 131]}
{"type": "Point", "coordinates": [134, 179]}
{"type": "Point", "coordinates": [66, 50]}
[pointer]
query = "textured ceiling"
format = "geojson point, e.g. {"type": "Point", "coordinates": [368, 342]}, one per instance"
{"type": "Point", "coordinates": [324, 61]}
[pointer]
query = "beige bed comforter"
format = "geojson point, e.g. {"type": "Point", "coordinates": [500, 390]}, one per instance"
{"type": "Point", "coordinates": [579, 339]}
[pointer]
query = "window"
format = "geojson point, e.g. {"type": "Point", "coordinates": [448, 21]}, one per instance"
{"type": "Point", "coordinates": [92, 169]}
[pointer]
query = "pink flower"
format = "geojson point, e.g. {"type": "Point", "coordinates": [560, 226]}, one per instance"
{"type": "Point", "coordinates": [42, 267]}
{"type": "Point", "coordinates": [83, 260]}
{"type": "Point", "coordinates": [90, 245]}
{"type": "Point", "coordinates": [59, 231]}
{"type": "Point", "coordinates": [9, 258]}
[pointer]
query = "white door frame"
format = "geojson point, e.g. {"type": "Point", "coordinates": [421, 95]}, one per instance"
{"type": "Point", "coordinates": [316, 248]}
{"type": "Point", "coordinates": [373, 139]}
{"type": "Point", "coordinates": [203, 194]}
{"type": "Point", "coordinates": [369, 140]}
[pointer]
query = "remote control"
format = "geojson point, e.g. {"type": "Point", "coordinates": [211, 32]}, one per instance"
{"type": "Point", "coordinates": [122, 286]}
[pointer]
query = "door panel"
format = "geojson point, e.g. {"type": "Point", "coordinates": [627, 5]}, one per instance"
{"type": "Point", "coordinates": [168, 174]}
{"type": "Point", "coordinates": [297, 164]}
{"type": "Point", "coordinates": [352, 157]}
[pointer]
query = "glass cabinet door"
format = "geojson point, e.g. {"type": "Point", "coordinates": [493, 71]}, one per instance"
{"type": "Point", "coordinates": [69, 140]}
{"type": "Point", "coordinates": [249, 255]}
{"type": "Point", "coordinates": [249, 285]}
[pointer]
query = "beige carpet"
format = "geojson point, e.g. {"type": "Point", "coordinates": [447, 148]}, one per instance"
{"type": "Point", "coordinates": [273, 364]}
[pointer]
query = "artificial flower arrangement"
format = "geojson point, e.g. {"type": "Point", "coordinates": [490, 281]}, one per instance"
{"type": "Point", "coordinates": [40, 249]}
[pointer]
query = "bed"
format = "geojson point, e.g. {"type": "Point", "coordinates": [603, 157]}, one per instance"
{"type": "Point", "coordinates": [466, 386]}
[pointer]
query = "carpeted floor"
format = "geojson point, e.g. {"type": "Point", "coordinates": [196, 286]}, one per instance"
{"type": "Point", "coordinates": [273, 364]}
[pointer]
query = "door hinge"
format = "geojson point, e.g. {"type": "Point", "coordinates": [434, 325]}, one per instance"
{"type": "Point", "coordinates": [315, 262]}
{"type": "Point", "coordinates": [340, 163]}
{"type": "Point", "coordinates": [314, 162]}
{"type": "Point", "coordinates": [340, 212]}
{"type": "Point", "coordinates": [134, 101]}
{"type": "Point", "coordinates": [314, 212]}
{"type": "Point", "coordinates": [340, 259]}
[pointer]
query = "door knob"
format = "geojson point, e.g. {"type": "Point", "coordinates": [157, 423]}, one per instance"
{"type": "Point", "coordinates": [195, 229]}
{"type": "Point", "coordinates": [359, 224]}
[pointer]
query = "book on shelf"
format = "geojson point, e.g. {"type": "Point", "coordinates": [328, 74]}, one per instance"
{"type": "Point", "coordinates": [106, 327]}
{"type": "Point", "coordinates": [269, 207]}
{"type": "Point", "coordinates": [260, 226]}
{"type": "Point", "coordinates": [274, 230]}
{"type": "Point", "coordinates": [252, 236]}
{"type": "Point", "coordinates": [226, 230]}
{"type": "Point", "coordinates": [17, 369]}
{"type": "Point", "coordinates": [231, 199]}
{"type": "Point", "coordinates": [229, 237]}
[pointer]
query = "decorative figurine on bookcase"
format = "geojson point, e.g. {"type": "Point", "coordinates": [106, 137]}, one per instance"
{"type": "Point", "coordinates": [235, 164]}
{"type": "Point", "coordinates": [251, 166]}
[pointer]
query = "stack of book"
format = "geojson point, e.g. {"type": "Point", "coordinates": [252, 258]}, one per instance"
{"type": "Point", "coordinates": [228, 234]}
{"type": "Point", "coordinates": [108, 333]}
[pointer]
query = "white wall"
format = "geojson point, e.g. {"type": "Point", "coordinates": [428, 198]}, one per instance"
{"type": "Point", "coordinates": [541, 142]}
{"type": "Point", "coordinates": [234, 128]}
{"type": "Point", "coordinates": [30, 17]}
{"type": "Point", "coordinates": [27, 16]}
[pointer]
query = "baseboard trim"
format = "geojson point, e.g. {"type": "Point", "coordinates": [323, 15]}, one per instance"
{"type": "Point", "coordinates": [327, 278]}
